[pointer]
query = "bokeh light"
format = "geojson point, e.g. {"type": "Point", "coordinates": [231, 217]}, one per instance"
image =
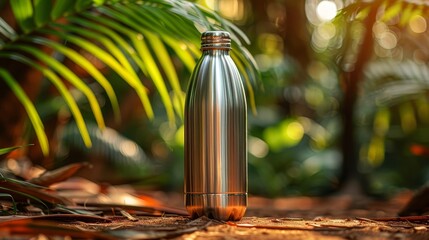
{"type": "Point", "coordinates": [271, 46]}
{"type": "Point", "coordinates": [387, 40]}
{"type": "Point", "coordinates": [326, 10]}
{"type": "Point", "coordinates": [379, 28]}
{"type": "Point", "coordinates": [314, 96]}
{"type": "Point", "coordinates": [257, 147]}
{"type": "Point", "coordinates": [235, 10]}
{"type": "Point", "coordinates": [129, 148]}
{"type": "Point", "coordinates": [322, 36]}
{"type": "Point", "coordinates": [270, 43]}
{"type": "Point", "coordinates": [418, 24]}
{"type": "Point", "coordinates": [286, 134]}
{"type": "Point", "coordinates": [326, 31]}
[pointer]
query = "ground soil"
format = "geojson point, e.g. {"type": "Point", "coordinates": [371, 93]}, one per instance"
{"type": "Point", "coordinates": [341, 216]}
{"type": "Point", "coordinates": [333, 217]}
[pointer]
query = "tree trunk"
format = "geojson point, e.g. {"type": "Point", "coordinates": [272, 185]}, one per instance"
{"type": "Point", "coordinates": [350, 82]}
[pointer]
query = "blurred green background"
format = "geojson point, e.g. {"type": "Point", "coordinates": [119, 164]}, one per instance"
{"type": "Point", "coordinates": [295, 138]}
{"type": "Point", "coordinates": [303, 50]}
{"type": "Point", "coordinates": [342, 95]}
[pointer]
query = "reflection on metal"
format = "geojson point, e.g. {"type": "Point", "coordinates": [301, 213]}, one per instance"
{"type": "Point", "coordinates": [216, 134]}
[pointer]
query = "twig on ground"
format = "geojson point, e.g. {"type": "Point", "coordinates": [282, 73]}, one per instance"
{"type": "Point", "coordinates": [128, 216]}
{"type": "Point", "coordinates": [405, 218]}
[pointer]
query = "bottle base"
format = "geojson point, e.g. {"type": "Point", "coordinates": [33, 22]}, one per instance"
{"type": "Point", "coordinates": [224, 207]}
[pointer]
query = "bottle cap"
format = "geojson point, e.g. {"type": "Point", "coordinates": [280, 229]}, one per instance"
{"type": "Point", "coordinates": [215, 40]}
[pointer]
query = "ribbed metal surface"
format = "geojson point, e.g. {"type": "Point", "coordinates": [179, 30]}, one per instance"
{"type": "Point", "coordinates": [215, 40]}
{"type": "Point", "coordinates": [216, 135]}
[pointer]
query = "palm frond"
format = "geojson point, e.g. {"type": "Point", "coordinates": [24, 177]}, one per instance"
{"type": "Point", "coordinates": [110, 145]}
{"type": "Point", "coordinates": [23, 11]}
{"type": "Point", "coordinates": [167, 65]}
{"type": "Point", "coordinates": [132, 38]}
{"type": "Point", "coordinates": [112, 62]}
{"type": "Point", "coordinates": [396, 87]}
{"type": "Point", "coordinates": [7, 31]}
{"type": "Point", "coordinates": [87, 66]}
{"type": "Point", "coordinates": [10, 149]}
{"type": "Point", "coordinates": [389, 9]}
{"type": "Point", "coordinates": [67, 74]}
{"type": "Point", "coordinates": [42, 12]}
{"type": "Point", "coordinates": [29, 107]}
{"type": "Point", "coordinates": [390, 82]}
{"type": "Point", "coordinates": [62, 8]}
{"type": "Point", "coordinates": [74, 109]}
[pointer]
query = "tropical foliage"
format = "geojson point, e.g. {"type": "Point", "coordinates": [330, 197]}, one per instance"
{"type": "Point", "coordinates": [351, 102]}
{"type": "Point", "coordinates": [342, 97]}
{"type": "Point", "coordinates": [134, 39]}
{"type": "Point", "coordinates": [384, 69]}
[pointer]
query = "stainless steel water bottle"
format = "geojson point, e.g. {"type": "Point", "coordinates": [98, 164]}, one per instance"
{"type": "Point", "coordinates": [216, 134]}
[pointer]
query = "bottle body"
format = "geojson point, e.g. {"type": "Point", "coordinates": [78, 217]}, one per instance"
{"type": "Point", "coordinates": [216, 139]}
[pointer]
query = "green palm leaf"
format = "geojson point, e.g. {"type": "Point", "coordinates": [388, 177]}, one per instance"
{"type": "Point", "coordinates": [29, 107]}
{"type": "Point", "coordinates": [389, 9]}
{"type": "Point", "coordinates": [182, 51]}
{"type": "Point", "coordinates": [83, 4]}
{"type": "Point", "coordinates": [9, 149]}
{"type": "Point", "coordinates": [392, 82]}
{"type": "Point", "coordinates": [63, 91]}
{"type": "Point", "coordinates": [62, 8]}
{"type": "Point", "coordinates": [42, 10]}
{"type": "Point", "coordinates": [155, 74]}
{"type": "Point", "coordinates": [69, 75]}
{"type": "Point", "coordinates": [7, 31]}
{"type": "Point", "coordinates": [109, 60]}
{"type": "Point", "coordinates": [23, 11]}
{"type": "Point", "coordinates": [151, 68]}
{"type": "Point", "coordinates": [132, 38]}
{"type": "Point", "coordinates": [87, 66]}
{"type": "Point", "coordinates": [167, 65]}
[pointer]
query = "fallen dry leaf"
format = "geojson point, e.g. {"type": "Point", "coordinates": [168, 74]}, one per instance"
{"type": "Point", "coordinates": [22, 190]}
{"type": "Point", "coordinates": [58, 175]}
{"type": "Point", "coordinates": [152, 210]}
{"type": "Point", "coordinates": [5, 221]}
{"type": "Point", "coordinates": [31, 228]}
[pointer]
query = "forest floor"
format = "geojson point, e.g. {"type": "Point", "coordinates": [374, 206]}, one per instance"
{"type": "Point", "coordinates": [54, 206]}
{"type": "Point", "coordinates": [333, 217]}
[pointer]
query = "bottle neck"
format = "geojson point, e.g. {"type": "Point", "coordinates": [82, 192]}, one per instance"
{"type": "Point", "coordinates": [215, 40]}
{"type": "Point", "coordinates": [216, 51]}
